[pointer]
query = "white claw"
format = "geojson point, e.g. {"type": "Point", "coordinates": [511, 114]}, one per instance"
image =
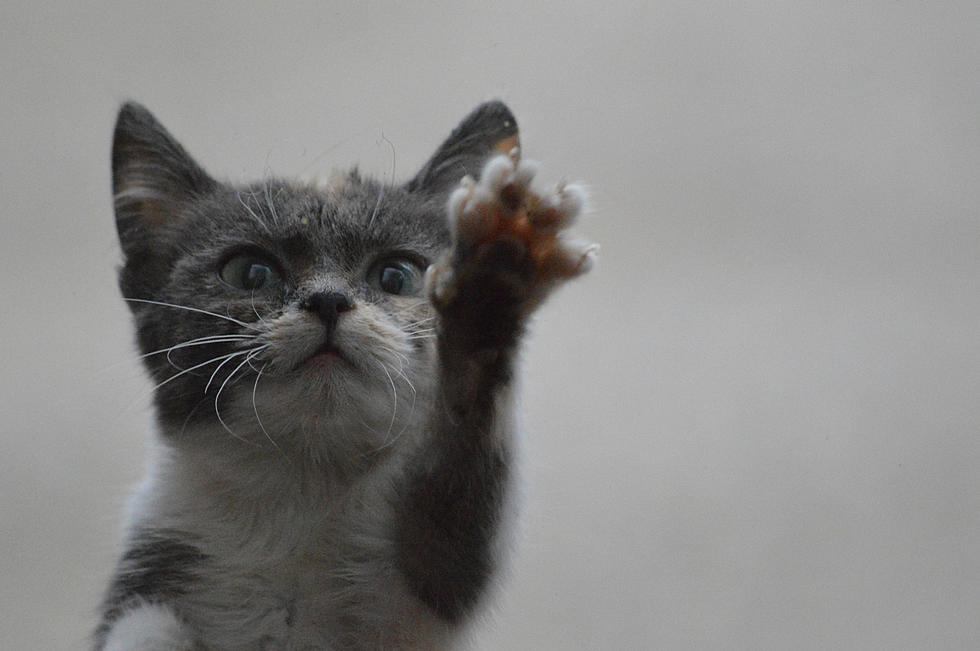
{"type": "Point", "coordinates": [496, 171]}
{"type": "Point", "coordinates": [571, 200]}
{"type": "Point", "coordinates": [525, 172]}
{"type": "Point", "coordinates": [588, 260]}
{"type": "Point", "coordinates": [583, 254]}
{"type": "Point", "coordinates": [482, 196]}
{"type": "Point", "coordinates": [456, 201]}
{"type": "Point", "coordinates": [439, 281]}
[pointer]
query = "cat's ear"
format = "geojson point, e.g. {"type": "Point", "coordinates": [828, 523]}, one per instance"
{"type": "Point", "coordinates": [489, 128]}
{"type": "Point", "coordinates": [153, 179]}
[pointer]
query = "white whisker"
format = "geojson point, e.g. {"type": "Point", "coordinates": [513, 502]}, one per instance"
{"type": "Point", "coordinates": [407, 381]}
{"type": "Point", "coordinates": [252, 213]}
{"type": "Point", "coordinates": [259, 316]}
{"type": "Point", "coordinates": [391, 181]}
{"type": "Point", "coordinates": [192, 309]}
{"type": "Point", "coordinates": [255, 408]}
{"type": "Point", "coordinates": [171, 350]}
{"type": "Point", "coordinates": [415, 304]}
{"type": "Point", "coordinates": [216, 370]}
{"type": "Point", "coordinates": [389, 441]}
{"type": "Point", "coordinates": [268, 201]}
{"type": "Point", "coordinates": [402, 358]}
{"type": "Point", "coordinates": [377, 206]}
{"type": "Point", "coordinates": [196, 366]}
{"type": "Point", "coordinates": [200, 341]}
{"type": "Point", "coordinates": [394, 402]}
{"type": "Point", "coordinates": [251, 353]}
{"type": "Point", "coordinates": [419, 322]}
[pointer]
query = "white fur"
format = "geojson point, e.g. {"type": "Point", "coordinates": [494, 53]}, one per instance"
{"type": "Point", "coordinates": [297, 522]}
{"type": "Point", "coordinates": [148, 627]}
{"type": "Point", "coordinates": [300, 560]}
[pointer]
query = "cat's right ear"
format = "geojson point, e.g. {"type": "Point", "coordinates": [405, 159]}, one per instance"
{"type": "Point", "coordinates": [153, 180]}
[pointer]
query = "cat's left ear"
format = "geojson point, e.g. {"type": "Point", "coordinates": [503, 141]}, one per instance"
{"type": "Point", "coordinates": [153, 180]}
{"type": "Point", "coordinates": [490, 128]}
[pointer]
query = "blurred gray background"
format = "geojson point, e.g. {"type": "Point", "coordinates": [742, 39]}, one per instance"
{"type": "Point", "coordinates": [754, 426]}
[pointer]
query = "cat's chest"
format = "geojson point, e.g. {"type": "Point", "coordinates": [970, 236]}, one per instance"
{"type": "Point", "coordinates": [309, 587]}
{"type": "Point", "coordinates": [277, 602]}
{"type": "Point", "coordinates": [290, 569]}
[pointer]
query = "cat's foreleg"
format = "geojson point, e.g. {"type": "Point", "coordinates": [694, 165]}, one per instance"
{"type": "Point", "coordinates": [509, 251]}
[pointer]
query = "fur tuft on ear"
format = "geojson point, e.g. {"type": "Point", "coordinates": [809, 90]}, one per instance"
{"type": "Point", "coordinates": [489, 128]}
{"type": "Point", "coordinates": [152, 177]}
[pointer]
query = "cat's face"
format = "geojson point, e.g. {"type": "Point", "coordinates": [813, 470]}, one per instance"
{"type": "Point", "coordinates": [313, 313]}
{"type": "Point", "coordinates": [280, 315]}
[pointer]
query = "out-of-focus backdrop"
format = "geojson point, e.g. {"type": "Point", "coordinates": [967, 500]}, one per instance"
{"type": "Point", "coordinates": [756, 425]}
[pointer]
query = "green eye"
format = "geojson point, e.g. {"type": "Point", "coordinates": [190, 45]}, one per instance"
{"type": "Point", "coordinates": [398, 277]}
{"type": "Point", "coordinates": [249, 271]}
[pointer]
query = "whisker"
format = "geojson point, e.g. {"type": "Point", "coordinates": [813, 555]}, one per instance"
{"type": "Point", "coordinates": [252, 213]}
{"type": "Point", "coordinates": [411, 306]}
{"type": "Point", "coordinates": [268, 201]}
{"type": "Point", "coordinates": [411, 411]}
{"type": "Point", "coordinates": [407, 381]}
{"type": "Point", "coordinates": [174, 364]}
{"type": "Point", "coordinates": [408, 420]}
{"type": "Point", "coordinates": [200, 341]}
{"type": "Point", "coordinates": [250, 354]}
{"type": "Point", "coordinates": [215, 373]}
{"type": "Point", "coordinates": [259, 316]}
{"type": "Point", "coordinates": [171, 350]}
{"type": "Point", "coordinates": [258, 202]}
{"type": "Point", "coordinates": [196, 366]}
{"type": "Point", "coordinates": [402, 358]}
{"type": "Point", "coordinates": [393, 158]}
{"type": "Point", "coordinates": [192, 309]}
{"type": "Point", "coordinates": [252, 366]}
{"type": "Point", "coordinates": [217, 397]}
{"type": "Point", "coordinates": [394, 402]}
{"type": "Point", "coordinates": [377, 206]}
{"type": "Point", "coordinates": [255, 408]}
{"type": "Point", "coordinates": [419, 322]}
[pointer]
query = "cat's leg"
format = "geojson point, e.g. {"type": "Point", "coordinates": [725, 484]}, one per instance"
{"type": "Point", "coordinates": [147, 627]}
{"type": "Point", "coordinates": [509, 251]}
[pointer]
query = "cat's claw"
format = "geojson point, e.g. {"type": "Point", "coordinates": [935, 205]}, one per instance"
{"type": "Point", "coordinates": [503, 229]}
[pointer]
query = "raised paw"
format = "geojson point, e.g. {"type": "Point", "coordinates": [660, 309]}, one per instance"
{"type": "Point", "coordinates": [510, 244]}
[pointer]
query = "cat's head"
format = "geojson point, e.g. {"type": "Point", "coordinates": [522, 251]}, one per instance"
{"type": "Point", "coordinates": [283, 314]}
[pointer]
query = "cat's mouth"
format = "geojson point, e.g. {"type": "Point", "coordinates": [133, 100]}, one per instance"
{"type": "Point", "coordinates": [325, 355]}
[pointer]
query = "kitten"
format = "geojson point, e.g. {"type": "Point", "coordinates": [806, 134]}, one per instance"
{"type": "Point", "coordinates": [335, 422]}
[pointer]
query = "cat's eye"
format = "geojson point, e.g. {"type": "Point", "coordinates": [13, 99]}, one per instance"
{"type": "Point", "coordinates": [250, 271]}
{"type": "Point", "coordinates": [396, 276]}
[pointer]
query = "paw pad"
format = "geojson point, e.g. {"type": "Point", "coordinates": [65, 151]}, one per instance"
{"type": "Point", "coordinates": [501, 207]}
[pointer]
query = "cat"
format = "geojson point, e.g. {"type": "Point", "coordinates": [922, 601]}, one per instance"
{"type": "Point", "coordinates": [334, 371]}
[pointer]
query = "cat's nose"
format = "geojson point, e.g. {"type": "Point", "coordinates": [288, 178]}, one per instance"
{"type": "Point", "coordinates": [328, 306]}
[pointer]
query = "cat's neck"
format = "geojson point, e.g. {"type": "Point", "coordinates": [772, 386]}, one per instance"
{"type": "Point", "coordinates": [206, 481]}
